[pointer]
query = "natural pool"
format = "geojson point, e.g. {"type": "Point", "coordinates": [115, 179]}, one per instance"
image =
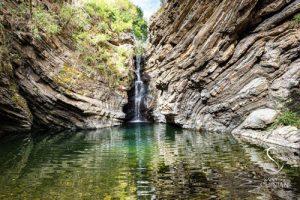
{"type": "Point", "coordinates": [139, 161]}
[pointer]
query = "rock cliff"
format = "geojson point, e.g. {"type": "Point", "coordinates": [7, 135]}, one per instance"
{"type": "Point", "coordinates": [45, 83]}
{"type": "Point", "coordinates": [222, 66]}
{"type": "Point", "coordinates": [213, 63]}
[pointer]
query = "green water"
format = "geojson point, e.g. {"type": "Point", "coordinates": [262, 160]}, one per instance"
{"type": "Point", "coordinates": [139, 161]}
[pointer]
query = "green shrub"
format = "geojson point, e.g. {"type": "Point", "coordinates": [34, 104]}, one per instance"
{"type": "Point", "coordinates": [74, 17]}
{"type": "Point", "coordinates": [121, 15]}
{"type": "Point", "coordinates": [45, 21]}
{"type": "Point", "coordinates": [94, 29]}
{"type": "Point", "coordinates": [140, 27]}
{"type": "Point", "coordinates": [105, 21]}
{"type": "Point", "coordinates": [20, 11]}
{"type": "Point", "coordinates": [90, 60]}
{"type": "Point", "coordinates": [297, 18]}
{"type": "Point", "coordinates": [103, 27]}
{"type": "Point", "coordinates": [67, 12]}
{"type": "Point", "coordinates": [288, 118]}
{"type": "Point", "coordinates": [99, 38]}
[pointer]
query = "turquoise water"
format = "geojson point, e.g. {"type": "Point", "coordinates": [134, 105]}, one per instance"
{"type": "Point", "coordinates": [139, 161]}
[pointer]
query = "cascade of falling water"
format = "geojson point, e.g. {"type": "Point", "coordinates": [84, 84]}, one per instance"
{"type": "Point", "coordinates": [140, 92]}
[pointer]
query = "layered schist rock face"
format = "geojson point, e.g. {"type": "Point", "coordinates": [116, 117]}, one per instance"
{"type": "Point", "coordinates": [213, 63]}
{"type": "Point", "coordinates": [32, 93]}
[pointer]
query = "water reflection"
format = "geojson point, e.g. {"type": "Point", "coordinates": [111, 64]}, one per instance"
{"type": "Point", "coordinates": [139, 161]}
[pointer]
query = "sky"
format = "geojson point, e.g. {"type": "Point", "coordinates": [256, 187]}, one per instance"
{"type": "Point", "coordinates": [148, 6]}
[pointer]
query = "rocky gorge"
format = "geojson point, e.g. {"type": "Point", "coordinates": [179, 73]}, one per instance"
{"type": "Point", "coordinates": [201, 101]}
{"type": "Point", "coordinates": [226, 66]}
{"type": "Point", "coordinates": [219, 66]}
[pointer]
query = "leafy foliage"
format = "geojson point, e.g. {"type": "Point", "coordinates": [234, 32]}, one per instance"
{"type": "Point", "coordinates": [95, 28]}
{"type": "Point", "coordinates": [140, 27]}
{"type": "Point", "coordinates": [119, 16]}
{"type": "Point", "coordinates": [288, 118]}
{"type": "Point", "coordinates": [73, 18]}
{"type": "Point", "coordinates": [45, 21]}
{"type": "Point", "coordinates": [297, 18]}
{"type": "Point", "coordinates": [98, 25]}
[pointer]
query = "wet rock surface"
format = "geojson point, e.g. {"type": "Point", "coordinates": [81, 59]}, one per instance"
{"type": "Point", "coordinates": [212, 63]}
{"type": "Point", "coordinates": [283, 136]}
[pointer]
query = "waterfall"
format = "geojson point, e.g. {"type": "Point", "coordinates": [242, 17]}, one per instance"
{"type": "Point", "coordinates": [140, 91]}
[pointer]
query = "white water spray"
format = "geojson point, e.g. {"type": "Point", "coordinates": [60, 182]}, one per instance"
{"type": "Point", "coordinates": [140, 92]}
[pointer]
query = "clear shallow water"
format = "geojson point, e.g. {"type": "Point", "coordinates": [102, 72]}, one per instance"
{"type": "Point", "coordinates": [139, 161]}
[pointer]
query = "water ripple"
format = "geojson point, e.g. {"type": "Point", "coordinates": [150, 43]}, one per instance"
{"type": "Point", "coordinates": [139, 162]}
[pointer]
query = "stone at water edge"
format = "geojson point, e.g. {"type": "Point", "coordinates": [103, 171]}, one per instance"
{"type": "Point", "coordinates": [260, 118]}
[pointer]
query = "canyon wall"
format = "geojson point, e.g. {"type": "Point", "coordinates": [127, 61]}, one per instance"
{"type": "Point", "coordinates": [44, 82]}
{"type": "Point", "coordinates": [213, 63]}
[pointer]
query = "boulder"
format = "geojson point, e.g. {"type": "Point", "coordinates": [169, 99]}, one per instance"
{"type": "Point", "coordinates": [260, 119]}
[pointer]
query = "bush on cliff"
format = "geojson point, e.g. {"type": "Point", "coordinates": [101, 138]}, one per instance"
{"type": "Point", "coordinates": [288, 118]}
{"type": "Point", "coordinates": [95, 28]}
{"type": "Point", "coordinates": [140, 26]}
{"type": "Point", "coordinates": [45, 21]}
{"type": "Point", "coordinates": [297, 18]}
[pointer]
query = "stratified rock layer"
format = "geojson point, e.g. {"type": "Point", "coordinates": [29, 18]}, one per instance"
{"type": "Point", "coordinates": [14, 113]}
{"type": "Point", "coordinates": [212, 63]}
{"type": "Point", "coordinates": [53, 105]}
{"type": "Point", "coordinates": [36, 89]}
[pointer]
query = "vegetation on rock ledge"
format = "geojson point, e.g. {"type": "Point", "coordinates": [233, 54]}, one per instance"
{"type": "Point", "coordinates": [288, 118]}
{"type": "Point", "coordinates": [297, 18]}
{"type": "Point", "coordinates": [100, 30]}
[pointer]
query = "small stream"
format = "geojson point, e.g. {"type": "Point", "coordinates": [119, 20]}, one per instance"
{"type": "Point", "coordinates": [139, 161]}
